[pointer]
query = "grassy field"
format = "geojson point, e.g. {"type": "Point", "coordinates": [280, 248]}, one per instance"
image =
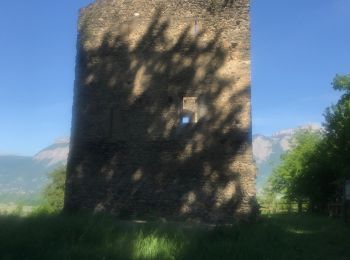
{"type": "Point", "coordinates": [274, 237]}
{"type": "Point", "coordinates": [13, 208]}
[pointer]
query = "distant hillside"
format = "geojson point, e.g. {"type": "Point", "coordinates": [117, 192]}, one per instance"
{"type": "Point", "coordinates": [23, 177]}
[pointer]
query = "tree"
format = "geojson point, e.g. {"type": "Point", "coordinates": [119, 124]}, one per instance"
{"type": "Point", "coordinates": [337, 126]}
{"type": "Point", "coordinates": [53, 193]}
{"type": "Point", "coordinates": [315, 168]}
{"type": "Point", "coordinates": [288, 179]}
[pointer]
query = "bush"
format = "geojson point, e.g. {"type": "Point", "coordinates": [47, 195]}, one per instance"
{"type": "Point", "coordinates": [53, 194]}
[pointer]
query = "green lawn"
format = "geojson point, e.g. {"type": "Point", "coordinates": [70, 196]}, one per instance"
{"type": "Point", "coordinates": [275, 237]}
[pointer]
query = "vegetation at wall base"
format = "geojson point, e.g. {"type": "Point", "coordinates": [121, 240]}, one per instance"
{"type": "Point", "coordinates": [53, 194]}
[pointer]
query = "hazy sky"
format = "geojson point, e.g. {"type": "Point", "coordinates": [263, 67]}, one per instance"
{"type": "Point", "coordinates": [297, 48]}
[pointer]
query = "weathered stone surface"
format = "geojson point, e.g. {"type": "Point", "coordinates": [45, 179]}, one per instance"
{"type": "Point", "coordinates": [142, 65]}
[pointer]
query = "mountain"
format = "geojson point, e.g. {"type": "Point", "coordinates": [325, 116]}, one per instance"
{"type": "Point", "coordinates": [23, 177]}
{"type": "Point", "coordinates": [267, 150]}
{"type": "Point", "coordinates": [53, 155]}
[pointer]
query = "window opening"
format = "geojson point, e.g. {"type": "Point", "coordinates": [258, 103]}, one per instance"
{"type": "Point", "coordinates": [185, 120]}
{"type": "Point", "coordinates": [189, 110]}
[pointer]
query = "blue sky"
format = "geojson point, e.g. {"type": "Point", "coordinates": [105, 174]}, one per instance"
{"type": "Point", "coordinates": [297, 48]}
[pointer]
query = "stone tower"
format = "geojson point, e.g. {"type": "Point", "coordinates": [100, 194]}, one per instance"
{"type": "Point", "coordinates": [161, 116]}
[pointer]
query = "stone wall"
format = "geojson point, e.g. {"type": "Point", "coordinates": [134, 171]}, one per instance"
{"type": "Point", "coordinates": [143, 67]}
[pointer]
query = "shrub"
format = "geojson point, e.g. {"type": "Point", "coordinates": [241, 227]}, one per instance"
{"type": "Point", "coordinates": [53, 194]}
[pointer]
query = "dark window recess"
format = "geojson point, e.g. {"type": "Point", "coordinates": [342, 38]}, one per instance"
{"type": "Point", "coordinates": [187, 118]}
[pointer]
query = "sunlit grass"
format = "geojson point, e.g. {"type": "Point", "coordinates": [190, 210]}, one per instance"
{"type": "Point", "coordinates": [103, 237]}
{"type": "Point", "coordinates": [155, 246]}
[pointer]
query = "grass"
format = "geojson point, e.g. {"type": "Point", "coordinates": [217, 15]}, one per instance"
{"type": "Point", "coordinates": [102, 237]}
{"type": "Point", "coordinates": [15, 208]}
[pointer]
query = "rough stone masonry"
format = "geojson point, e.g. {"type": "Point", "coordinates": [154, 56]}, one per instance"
{"type": "Point", "coordinates": [161, 116]}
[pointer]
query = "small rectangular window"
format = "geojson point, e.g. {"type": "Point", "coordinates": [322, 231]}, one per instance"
{"type": "Point", "coordinates": [189, 110]}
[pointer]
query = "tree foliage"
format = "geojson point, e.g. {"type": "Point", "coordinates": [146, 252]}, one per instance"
{"type": "Point", "coordinates": [318, 163]}
{"type": "Point", "coordinates": [288, 178]}
{"type": "Point", "coordinates": [337, 127]}
{"type": "Point", "coordinates": [53, 193]}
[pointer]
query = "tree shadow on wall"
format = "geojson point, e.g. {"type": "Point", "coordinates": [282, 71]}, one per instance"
{"type": "Point", "coordinates": [131, 155]}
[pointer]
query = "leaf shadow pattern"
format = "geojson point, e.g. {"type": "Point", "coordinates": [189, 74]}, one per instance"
{"type": "Point", "coordinates": [131, 156]}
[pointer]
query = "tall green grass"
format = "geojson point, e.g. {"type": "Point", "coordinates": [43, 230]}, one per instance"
{"type": "Point", "coordinates": [103, 237]}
